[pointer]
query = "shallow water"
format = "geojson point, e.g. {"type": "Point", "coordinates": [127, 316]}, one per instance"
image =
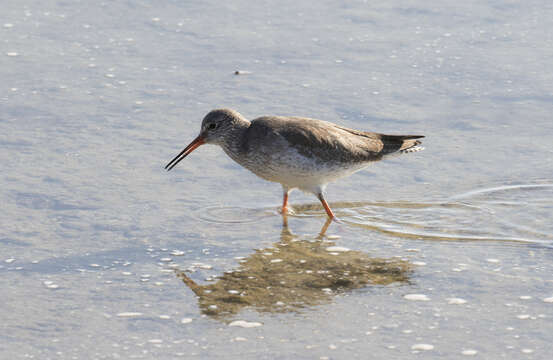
{"type": "Point", "coordinates": [446, 253]}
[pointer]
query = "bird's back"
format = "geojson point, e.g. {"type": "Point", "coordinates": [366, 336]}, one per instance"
{"type": "Point", "coordinates": [325, 141]}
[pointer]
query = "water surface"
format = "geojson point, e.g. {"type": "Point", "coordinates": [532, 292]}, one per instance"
{"type": "Point", "coordinates": [442, 253]}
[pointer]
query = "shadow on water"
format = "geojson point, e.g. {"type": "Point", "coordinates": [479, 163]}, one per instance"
{"type": "Point", "coordinates": [507, 213]}
{"type": "Point", "coordinates": [294, 274]}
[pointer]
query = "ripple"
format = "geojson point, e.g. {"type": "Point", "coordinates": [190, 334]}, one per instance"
{"type": "Point", "coordinates": [502, 188]}
{"type": "Point", "coordinates": [513, 213]}
{"type": "Point", "coordinates": [233, 215]}
{"type": "Point", "coordinates": [517, 213]}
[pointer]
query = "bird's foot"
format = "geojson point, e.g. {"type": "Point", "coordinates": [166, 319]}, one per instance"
{"type": "Point", "coordinates": [287, 211]}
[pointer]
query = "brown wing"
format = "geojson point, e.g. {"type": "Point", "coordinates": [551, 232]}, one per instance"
{"type": "Point", "coordinates": [327, 141]}
{"type": "Point", "coordinates": [388, 143]}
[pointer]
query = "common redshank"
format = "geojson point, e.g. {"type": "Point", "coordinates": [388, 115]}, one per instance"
{"type": "Point", "coordinates": [299, 153]}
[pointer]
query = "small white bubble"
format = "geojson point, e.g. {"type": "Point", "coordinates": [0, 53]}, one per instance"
{"type": "Point", "coordinates": [245, 324]}
{"type": "Point", "coordinates": [129, 314]}
{"type": "Point", "coordinates": [456, 301]}
{"type": "Point", "coordinates": [50, 284]}
{"type": "Point", "coordinates": [337, 249]}
{"type": "Point", "coordinates": [416, 297]}
{"type": "Point", "coordinates": [424, 347]}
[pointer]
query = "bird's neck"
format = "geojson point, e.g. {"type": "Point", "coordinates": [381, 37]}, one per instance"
{"type": "Point", "coordinates": [233, 141]}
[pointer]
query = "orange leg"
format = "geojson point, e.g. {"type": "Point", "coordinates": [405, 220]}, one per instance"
{"type": "Point", "coordinates": [324, 228]}
{"type": "Point", "coordinates": [327, 208]}
{"type": "Point", "coordinates": [285, 203]}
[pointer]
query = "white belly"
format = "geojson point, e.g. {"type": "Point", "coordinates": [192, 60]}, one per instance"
{"type": "Point", "coordinates": [294, 170]}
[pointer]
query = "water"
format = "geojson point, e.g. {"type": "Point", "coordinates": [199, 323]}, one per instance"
{"type": "Point", "coordinates": [444, 253]}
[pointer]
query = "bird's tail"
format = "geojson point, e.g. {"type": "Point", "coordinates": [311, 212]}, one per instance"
{"type": "Point", "coordinates": [401, 144]}
{"type": "Point", "coordinates": [410, 144]}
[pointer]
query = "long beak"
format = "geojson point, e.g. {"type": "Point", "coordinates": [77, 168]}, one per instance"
{"type": "Point", "coordinates": [187, 150]}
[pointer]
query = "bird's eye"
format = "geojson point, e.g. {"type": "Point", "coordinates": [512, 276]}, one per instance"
{"type": "Point", "coordinates": [212, 126]}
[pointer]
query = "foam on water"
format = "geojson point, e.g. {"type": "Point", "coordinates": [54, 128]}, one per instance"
{"type": "Point", "coordinates": [337, 249]}
{"type": "Point", "coordinates": [129, 314]}
{"type": "Point", "coordinates": [416, 297]}
{"type": "Point", "coordinates": [424, 347]}
{"type": "Point", "coordinates": [456, 301]}
{"type": "Point", "coordinates": [245, 324]}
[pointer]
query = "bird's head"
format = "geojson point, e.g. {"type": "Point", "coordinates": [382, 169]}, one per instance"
{"type": "Point", "coordinates": [218, 124]}
{"type": "Point", "coordinates": [217, 127]}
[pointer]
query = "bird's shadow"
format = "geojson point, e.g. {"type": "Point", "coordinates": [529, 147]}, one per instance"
{"type": "Point", "coordinates": [293, 274]}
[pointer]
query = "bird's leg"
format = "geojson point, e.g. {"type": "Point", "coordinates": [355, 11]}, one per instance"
{"type": "Point", "coordinates": [325, 205]}
{"type": "Point", "coordinates": [286, 191]}
{"type": "Point", "coordinates": [322, 233]}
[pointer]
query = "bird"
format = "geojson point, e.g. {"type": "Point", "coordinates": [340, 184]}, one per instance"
{"type": "Point", "coordinates": [297, 152]}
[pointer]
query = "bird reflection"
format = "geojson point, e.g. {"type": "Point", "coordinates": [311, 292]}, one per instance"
{"type": "Point", "coordinates": [293, 274]}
